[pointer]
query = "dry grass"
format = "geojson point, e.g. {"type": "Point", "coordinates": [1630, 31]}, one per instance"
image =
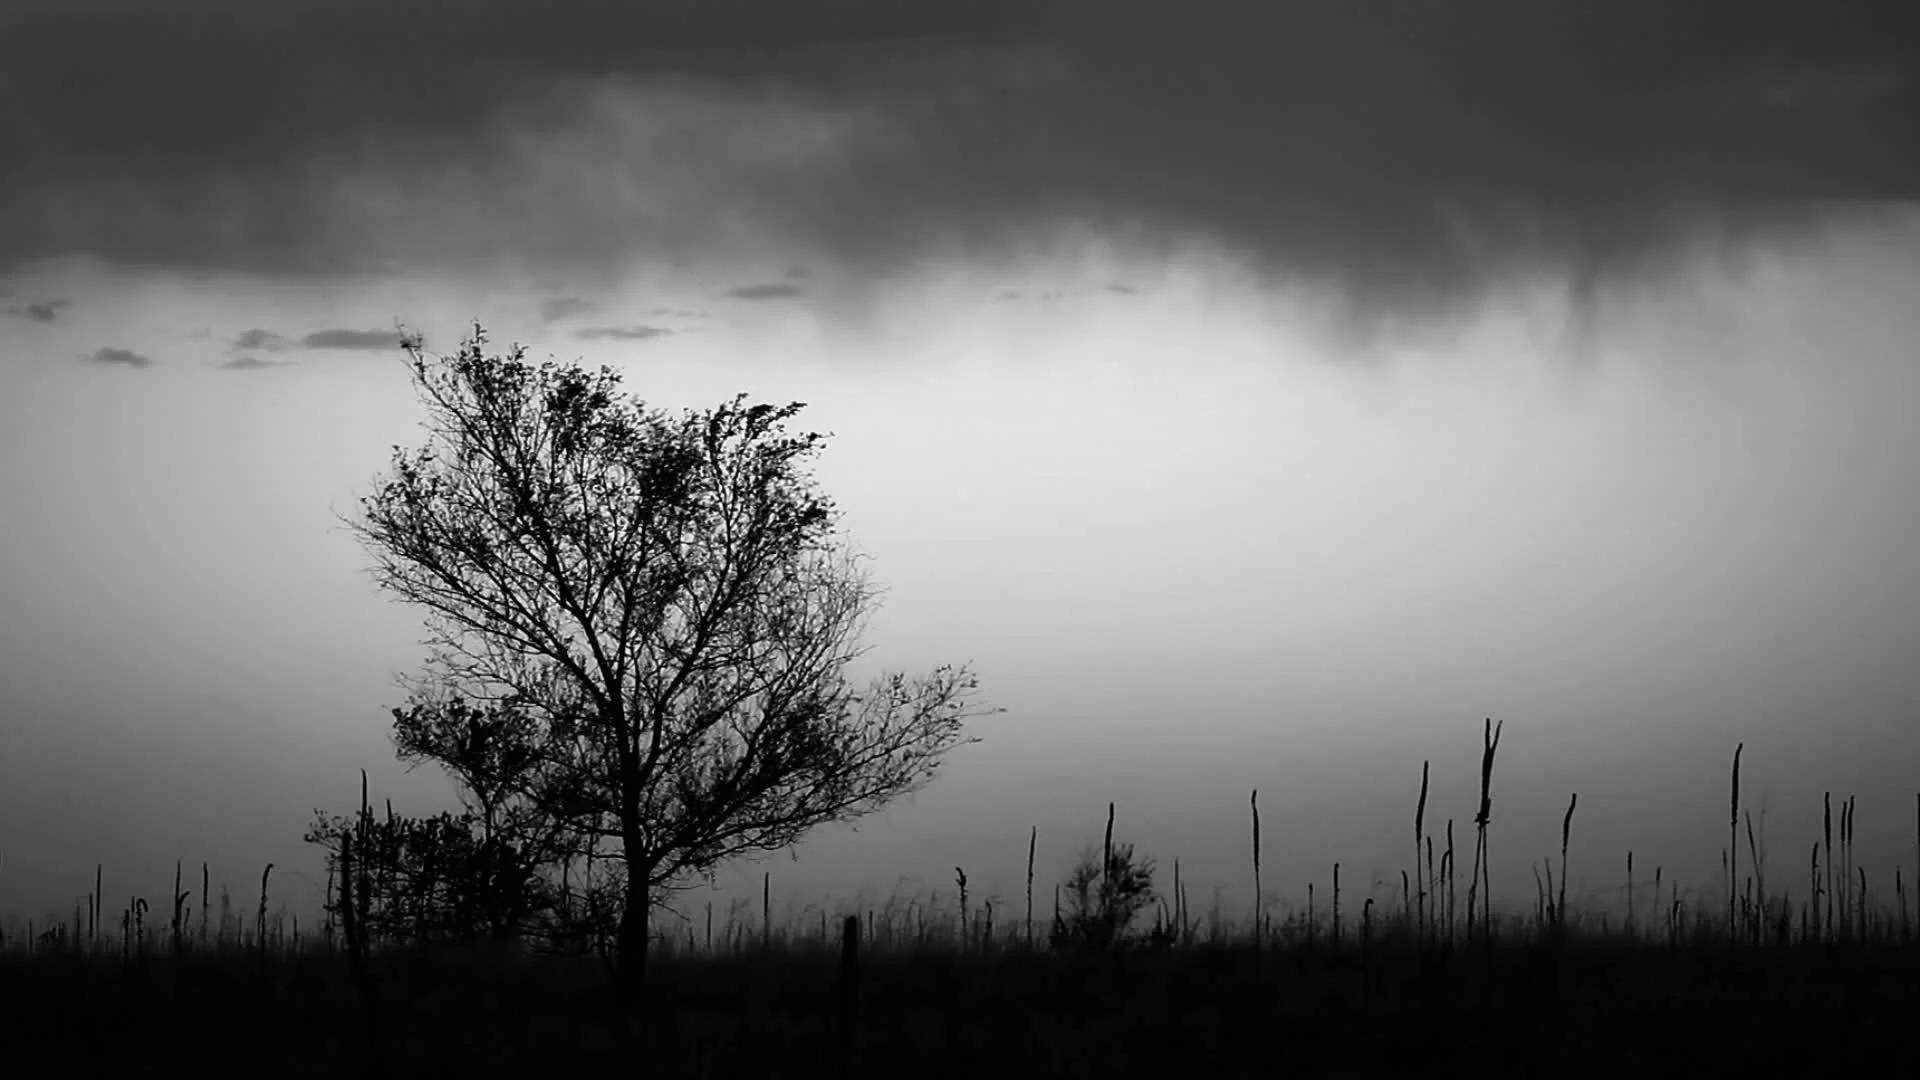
{"type": "Point", "coordinates": [927, 983]}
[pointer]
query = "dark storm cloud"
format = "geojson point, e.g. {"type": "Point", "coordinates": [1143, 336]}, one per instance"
{"type": "Point", "coordinates": [621, 333]}
{"type": "Point", "coordinates": [369, 340]}
{"type": "Point", "coordinates": [114, 357]}
{"type": "Point", "coordinates": [1403, 151]}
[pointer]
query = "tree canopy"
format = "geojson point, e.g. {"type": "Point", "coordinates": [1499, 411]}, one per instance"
{"type": "Point", "coordinates": [640, 623]}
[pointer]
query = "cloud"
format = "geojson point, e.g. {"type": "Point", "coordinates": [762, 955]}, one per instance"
{"type": "Point", "coordinates": [352, 339]}
{"type": "Point", "coordinates": [45, 311]}
{"type": "Point", "coordinates": [260, 339]}
{"type": "Point", "coordinates": [114, 357]}
{"type": "Point", "coordinates": [561, 307]}
{"type": "Point", "coordinates": [369, 340]}
{"type": "Point", "coordinates": [1400, 155]}
{"type": "Point", "coordinates": [771, 291]}
{"type": "Point", "coordinates": [253, 363]}
{"type": "Point", "coordinates": [621, 333]}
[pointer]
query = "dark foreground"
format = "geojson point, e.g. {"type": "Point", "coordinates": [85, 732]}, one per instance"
{"type": "Point", "coordinates": [1530, 1010]}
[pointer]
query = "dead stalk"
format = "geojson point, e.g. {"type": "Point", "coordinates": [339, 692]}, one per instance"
{"type": "Point", "coordinates": [1033, 841]}
{"type": "Point", "coordinates": [1419, 831]}
{"type": "Point", "coordinates": [1733, 837]}
{"type": "Point", "coordinates": [1566, 832]}
{"type": "Point", "coordinates": [1254, 802]}
{"type": "Point", "coordinates": [1481, 887]}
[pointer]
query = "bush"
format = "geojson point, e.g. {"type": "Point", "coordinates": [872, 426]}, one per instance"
{"type": "Point", "coordinates": [1102, 903]}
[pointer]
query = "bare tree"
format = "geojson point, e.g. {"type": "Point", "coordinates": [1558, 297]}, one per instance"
{"type": "Point", "coordinates": [667, 608]}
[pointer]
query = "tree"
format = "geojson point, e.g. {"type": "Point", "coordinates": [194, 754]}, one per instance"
{"type": "Point", "coordinates": [659, 609]}
{"type": "Point", "coordinates": [1102, 904]}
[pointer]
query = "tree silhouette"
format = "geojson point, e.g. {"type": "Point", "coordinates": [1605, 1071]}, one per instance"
{"type": "Point", "coordinates": [1101, 905]}
{"type": "Point", "coordinates": [639, 623]}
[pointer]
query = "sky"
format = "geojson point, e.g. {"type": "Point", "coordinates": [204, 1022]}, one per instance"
{"type": "Point", "coordinates": [1258, 396]}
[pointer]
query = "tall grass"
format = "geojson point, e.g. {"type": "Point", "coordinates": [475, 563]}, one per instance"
{"type": "Point", "coordinates": [1837, 906]}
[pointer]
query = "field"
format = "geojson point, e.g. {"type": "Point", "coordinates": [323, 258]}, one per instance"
{"type": "Point", "coordinates": [1426, 981]}
{"type": "Point", "coordinates": [1534, 1003]}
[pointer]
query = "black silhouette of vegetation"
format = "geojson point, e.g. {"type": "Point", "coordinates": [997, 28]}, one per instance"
{"type": "Point", "coordinates": [1777, 982]}
{"type": "Point", "coordinates": [1104, 894]}
{"type": "Point", "coordinates": [1102, 905]}
{"type": "Point", "coordinates": [641, 627]}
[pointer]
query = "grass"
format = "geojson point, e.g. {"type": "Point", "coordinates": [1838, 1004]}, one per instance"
{"type": "Point", "coordinates": [1527, 1003]}
{"type": "Point", "coordinates": [1746, 979]}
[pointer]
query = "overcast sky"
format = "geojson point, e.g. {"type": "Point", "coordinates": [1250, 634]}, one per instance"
{"type": "Point", "coordinates": [1259, 396]}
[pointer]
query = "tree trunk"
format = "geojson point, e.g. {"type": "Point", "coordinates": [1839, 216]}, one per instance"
{"type": "Point", "coordinates": [631, 961]}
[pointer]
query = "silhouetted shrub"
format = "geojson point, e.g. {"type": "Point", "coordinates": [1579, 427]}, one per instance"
{"type": "Point", "coordinates": [1100, 905]}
